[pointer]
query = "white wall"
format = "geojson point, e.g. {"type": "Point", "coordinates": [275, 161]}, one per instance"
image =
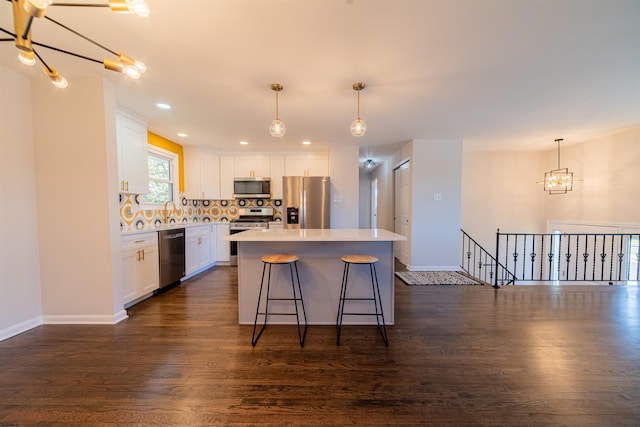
{"type": "Point", "coordinates": [436, 172]}
{"type": "Point", "coordinates": [344, 171]}
{"type": "Point", "coordinates": [20, 302]}
{"type": "Point", "coordinates": [77, 198]}
{"type": "Point", "coordinates": [499, 190]}
{"type": "Point", "coordinates": [365, 199]}
{"type": "Point", "coordinates": [609, 168]}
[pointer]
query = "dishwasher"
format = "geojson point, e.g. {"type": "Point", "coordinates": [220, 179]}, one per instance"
{"type": "Point", "coordinates": [171, 253]}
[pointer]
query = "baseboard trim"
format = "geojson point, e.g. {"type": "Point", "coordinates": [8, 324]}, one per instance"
{"type": "Point", "coordinates": [21, 327]}
{"type": "Point", "coordinates": [433, 268]}
{"type": "Point", "coordinates": [85, 319]}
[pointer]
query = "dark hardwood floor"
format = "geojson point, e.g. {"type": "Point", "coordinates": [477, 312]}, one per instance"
{"type": "Point", "coordinates": [457, 356]}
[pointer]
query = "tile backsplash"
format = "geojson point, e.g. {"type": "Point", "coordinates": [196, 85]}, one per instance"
{"type": "Point", "coordinates": [134, 217]}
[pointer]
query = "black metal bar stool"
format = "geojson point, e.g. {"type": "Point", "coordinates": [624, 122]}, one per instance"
{"type": "Point", "coordinates": [377, 301]}
{"type": "Point", "coordinates": [292, 261]}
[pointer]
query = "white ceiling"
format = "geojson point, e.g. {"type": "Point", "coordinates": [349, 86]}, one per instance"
{"type": "Point", "coordinates": [500, 74]}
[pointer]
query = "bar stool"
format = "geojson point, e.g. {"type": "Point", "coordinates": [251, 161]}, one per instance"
{"type": "Point", "coordinates": [292, 261]}
{"type": "Point", "coordinates": [377, 301]}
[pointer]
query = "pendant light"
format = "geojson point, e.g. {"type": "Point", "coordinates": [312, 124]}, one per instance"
{"type": "Point", "coordinates": [358, 127]}
{"type": "Point", "coordinates": [277, 128]}
{"type": "Point", "coordinates": [558, 181]}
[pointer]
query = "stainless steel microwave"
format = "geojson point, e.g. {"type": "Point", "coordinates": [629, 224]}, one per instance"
{"type": "Point", "coordinates": [252, 188]}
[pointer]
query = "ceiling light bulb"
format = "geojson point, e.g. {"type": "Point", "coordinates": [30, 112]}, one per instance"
{"type": "Point", "coordinates": [27, 58]}
{"type": "Point", "coordinates": [56, 78]}
{"type": "Point", "coordinates": [277, 128]}
{"type": "Point", "coordinates": [131, 71]}
{"type": "Point", "coordinates": [358, 127]}
{"type": "Point", "coordinates": [163, 106]}
{"type": "Point", "coordinates": [140, 66]}
{"type": "Point", "coordinates": [138, 7]}
{"type": "Point", "coordinates": [369, 164]}
{"type": "Point", "coordinates": [182, 135]}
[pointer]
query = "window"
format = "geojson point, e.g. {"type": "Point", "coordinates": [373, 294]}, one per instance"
{"type": "Point", "coordinates": [162, 176]}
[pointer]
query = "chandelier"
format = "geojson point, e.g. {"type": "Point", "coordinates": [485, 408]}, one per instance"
{"type": "Point", "coordinates": [24, 12]}
{"type": "Point", "coordinates": [558, 181]}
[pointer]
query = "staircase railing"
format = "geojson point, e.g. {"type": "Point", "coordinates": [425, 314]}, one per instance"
{"type": "Point", "coordinates": [479, 263]}
{"type": "Point", "coordinates": [584, 257]}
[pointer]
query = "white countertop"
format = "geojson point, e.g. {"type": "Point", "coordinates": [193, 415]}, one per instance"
{"type": "Point", "coordinates": [171, 226]}
{"type": "Point", "coordinates": [316, 235]}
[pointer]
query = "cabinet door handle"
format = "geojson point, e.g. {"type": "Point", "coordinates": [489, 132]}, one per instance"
{"type": "Point", "coordinates": [138, 254]}
{"type": "Point", "coordinates": [127, 185]}
{"type": "Point", "coordinates": [143, 255]}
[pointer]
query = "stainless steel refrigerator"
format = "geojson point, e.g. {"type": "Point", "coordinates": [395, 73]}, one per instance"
{"type": "Point", "coordinates": [306, 201]}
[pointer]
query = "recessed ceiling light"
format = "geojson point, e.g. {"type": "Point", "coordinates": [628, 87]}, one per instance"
{"type": "Point", "coordinates": [244, 143]}
{"type": "Point", "coordinates": [163, 106]}
{"type": "Point", "coordinates": [306, 142]}
{"type": "Point", "coordinates": [182, 135]}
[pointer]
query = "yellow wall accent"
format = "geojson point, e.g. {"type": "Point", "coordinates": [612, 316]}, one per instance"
{"type": "Point", "coordinates": [168, 145]}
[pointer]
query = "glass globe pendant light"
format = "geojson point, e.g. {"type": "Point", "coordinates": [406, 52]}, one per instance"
{"type": "Point", "coordinates": [358, 127]}
{"type": "Point", "coordinates": [277, 127]}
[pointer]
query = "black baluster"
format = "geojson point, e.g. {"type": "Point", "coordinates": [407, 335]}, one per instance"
{"type": "Point", "coordinates": [595, 251]}
{"type": "Point", "coordinates": [577, 252]}
{"type": "Point", "coordinates": [568, 256]}
{"type": "Point", "coordinates": [524, 257]}
{"type": "Point", "coordinates": [542, 257]}
{"type": "Point", "coordinates": [533, 255]}
{"type": "Point", "coordinates": [550, 255]}
{"type": "Point", "coordinates": [611, 260]}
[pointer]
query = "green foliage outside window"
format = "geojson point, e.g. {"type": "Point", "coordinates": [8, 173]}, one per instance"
{"type": "Point", "coordinates": [160, 184]}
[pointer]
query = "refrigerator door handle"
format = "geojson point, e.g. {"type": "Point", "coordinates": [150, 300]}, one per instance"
{"type": "Point", "coordinates": [303, 214]}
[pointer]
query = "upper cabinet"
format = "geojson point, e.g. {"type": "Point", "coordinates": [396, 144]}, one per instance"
{"type": "Point", "coordinates": [311, 164]}
{"type": "Point", "coordinates": [133, 163]}
{"type": "Point", "coordinates": [251, 166]}
{"type": "Point", "coordinates": [226, 177]}
{"type": "Point", "coordinates": [277, 172]}
{"type": "Point", "coordinates": [201, 174]}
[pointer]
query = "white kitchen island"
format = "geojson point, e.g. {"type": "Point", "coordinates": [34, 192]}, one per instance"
{"type": "Point", "coordinates": [320, 270]}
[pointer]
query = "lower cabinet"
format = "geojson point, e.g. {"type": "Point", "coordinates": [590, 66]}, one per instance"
{"type": "Point", "coordinates": [140, 266]}
{"type": "Point", "coordinates": [197, 248]}
{"type": "Point", "coordinates": [222, 246]}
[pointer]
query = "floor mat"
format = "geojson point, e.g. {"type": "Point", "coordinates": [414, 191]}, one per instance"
{"type": "Point", "coordinates": [435, 278]}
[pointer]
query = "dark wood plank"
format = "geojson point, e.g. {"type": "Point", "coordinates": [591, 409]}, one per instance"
{"type": "Point", "coordinates": [458, 355]}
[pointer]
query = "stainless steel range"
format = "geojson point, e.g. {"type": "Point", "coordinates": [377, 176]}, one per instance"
{"type": "Point", "coordinates": [248, 219]}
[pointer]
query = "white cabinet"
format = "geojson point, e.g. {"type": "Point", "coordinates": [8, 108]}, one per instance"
{"type": "Point", "coordinates": [277, 172]}
{"type": "Point", "coordinates": [226, 177]}
{"type": "Point", "coordinates": [213, 242]}
{"type": "Point", "coordinates": [251, 166]}
{"type": "Point", "coordinates": [140, 266]}
{"type": "Point", "coordinates": [311, 164]}
{"type": "Point", "coordinates": [132, 140]}
{"type": "Point", "coordinates": [197, 249]}
{"type": "Point", "coordinates": [201, 175]}
{"type": "Point", "coordinates": [222, 247]}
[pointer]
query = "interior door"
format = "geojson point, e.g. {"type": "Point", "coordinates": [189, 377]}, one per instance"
{"type": "Point", "coordinates": [402, 214]}
{"type": "Point", "coordinates": [374, 203]}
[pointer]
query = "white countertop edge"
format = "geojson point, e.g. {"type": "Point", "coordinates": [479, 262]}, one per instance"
{"type": "Point", "coordinates": [171, 226]}
{"type": "Point", "coordinates": [316, 235]}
